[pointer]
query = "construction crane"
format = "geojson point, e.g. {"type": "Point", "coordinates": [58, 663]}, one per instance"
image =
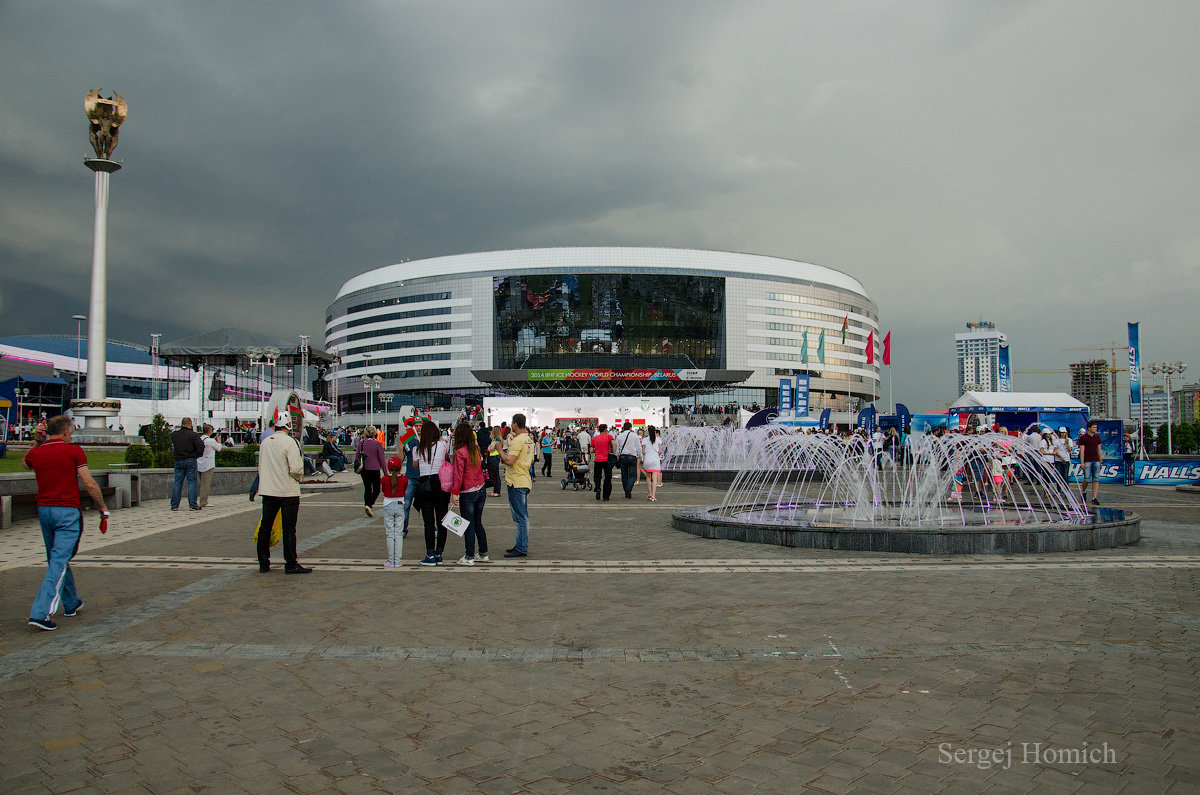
{"type": "Point", "coordinates": [1112, 369]}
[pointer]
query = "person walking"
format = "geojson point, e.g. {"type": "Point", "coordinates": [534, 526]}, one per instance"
{"type": "Point", "coordinates": [374, 460]}
{"type": "Point", "coordinates": [280, 469]}
{"type": "Point", "coordinates": [206, 464]}
{"type": "Point", "coordinates": [468, 493]}
{"type": "Point", "coordinates": [601, 446]}
{"type": "Point", "coordinates": [431, 453]}
{"type": "Point", "coordinates": [58, 467]}
{"type": "Point", "coordinates": [1128, 454]}
{"type": "Point", "coordinates": [517, 459]}
{"type": "Point", "coordinates": [652, 461]}
{"type": "Point", "coordinates": [628, 453]}
{"type": "Point", "coordinates": [547, 442]}
{"type": "Point", "coordinates": [188, 447]}
{"type": "Point", "coordinates": [1062, 454]}
{"type": "Point", "coordinates": [394, 486]}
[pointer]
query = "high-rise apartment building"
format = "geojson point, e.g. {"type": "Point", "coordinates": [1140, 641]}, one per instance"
{"type": "Point", "coordinates": [982, 359]}
{"type": "Point", "coordinates": [1089, 384]}
{"type": "Point", "coordinates": [1153, 409]}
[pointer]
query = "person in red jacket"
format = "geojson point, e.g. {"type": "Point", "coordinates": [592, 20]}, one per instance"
{"type": "Point", "coordinates": [394, 485]}
{"type": "Point", "coordinates": [467, 490]}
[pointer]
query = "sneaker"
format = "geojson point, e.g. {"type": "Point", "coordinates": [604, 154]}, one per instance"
{"type": "Point", "coordinates": [176, 508]}
{"type": "Point", "coordinates": [40, 624]}
{"type": "Point", "coordinates": [1095, 501]}
{"type": "Point", "coordinates": [466, 560]}
{"type": "Point", "coordinates": [367, 510]}
{"type": "Point", "coordinates": [387, 564]}
{"type": "Point", "coordinates": [483, 558]}
{"type": "Point", "coordinates": [429, 560]}
{"type": "Point", "coordinates": [439, 558]}
{"type": "Point", "coordinates": [74, 612]}
{"type": "Point", "coordinates": [514, 554]}
{"type": "Point", "coordinates": [297, 569]}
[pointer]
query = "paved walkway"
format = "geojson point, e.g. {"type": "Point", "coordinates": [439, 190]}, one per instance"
{"type": "Point", "coordinates": [622, 656]}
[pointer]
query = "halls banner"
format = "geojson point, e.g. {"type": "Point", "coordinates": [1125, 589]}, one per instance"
{"type": "Point", "coordinates": [785, 395]}
{"type": "Point", "coordinates": [1135, 367]}
{"type": "Point", "coordinates": [801, 394]}
{"type": "Point", "coordinates": [1005, 369]}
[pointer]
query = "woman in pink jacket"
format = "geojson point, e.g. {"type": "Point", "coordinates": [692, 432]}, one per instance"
{"type": "Point", "coordinates": [467, 491]}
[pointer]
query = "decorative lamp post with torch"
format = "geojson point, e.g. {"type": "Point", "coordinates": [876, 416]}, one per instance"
{"type": "Point", "coordinates": [105, 117]}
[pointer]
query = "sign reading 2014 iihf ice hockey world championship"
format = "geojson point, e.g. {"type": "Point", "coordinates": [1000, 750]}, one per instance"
{"type": "Point", "coordinates": [617, 374]}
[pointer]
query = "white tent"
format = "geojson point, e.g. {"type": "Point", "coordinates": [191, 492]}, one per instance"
{"type": "Point", "coordinates": [1016, 402]}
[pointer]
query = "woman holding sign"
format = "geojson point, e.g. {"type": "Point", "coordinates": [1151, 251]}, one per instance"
{"type": "Point", "coordinates": [467, 490]}
{"type": "Point", "coordinates": [430, 454]}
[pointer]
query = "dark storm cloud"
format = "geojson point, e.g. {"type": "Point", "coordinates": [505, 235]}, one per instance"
{"type": "Point", "coordinates": [1031, 163]}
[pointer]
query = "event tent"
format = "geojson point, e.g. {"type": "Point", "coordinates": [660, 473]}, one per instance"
{"type": "Point", "coordinates": [1022, 409]}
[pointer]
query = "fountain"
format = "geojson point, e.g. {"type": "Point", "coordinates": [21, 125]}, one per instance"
{"type": "Point", "coordinates": [707, 448]}
{"type": "Point", "coordinates": [958, 493]}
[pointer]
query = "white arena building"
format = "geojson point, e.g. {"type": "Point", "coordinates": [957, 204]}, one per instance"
{"type": "Point", "coordinates": [702, 326]}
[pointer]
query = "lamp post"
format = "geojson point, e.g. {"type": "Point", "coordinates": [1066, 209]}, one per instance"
{"type": "Point", "coordinates": [386, 399]}
{"type": "Point", "coordinates": [22, 396]}
{"type": "Point", "coordinates": [369, 386]}
{"type": "Point", "coordinates": [1168, 369]}
{"type": "Point", "coordinates": [78, 344]}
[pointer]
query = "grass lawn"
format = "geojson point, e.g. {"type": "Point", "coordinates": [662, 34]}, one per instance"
{"type": "Point", "coordinates": [97, 459]}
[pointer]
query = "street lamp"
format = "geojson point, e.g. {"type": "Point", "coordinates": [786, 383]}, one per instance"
{"type": "Point", "coordinates": [78, 344]}
{"type": "Point", "coordinates": [1168, 369]}
{"type": "Point", "coordinates": [369, 386]}
{"type": "Point", "coordinates": [22, 398]}
{"type": "Point", "coordinates": [386, 399]}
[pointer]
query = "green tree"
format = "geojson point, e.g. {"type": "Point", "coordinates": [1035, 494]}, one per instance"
{"type": "Point", "coordinates": [1148, 438]}
{"type": "Point", "coordinates": [158, 435]}
{"type": "Point", "coordinates": [1161, 436]}
{"type": "Point", "coordinates": [1185, 437]}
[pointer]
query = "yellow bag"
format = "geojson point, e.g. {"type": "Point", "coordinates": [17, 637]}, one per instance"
{"type": "Point", "coordinates": [276, 529]}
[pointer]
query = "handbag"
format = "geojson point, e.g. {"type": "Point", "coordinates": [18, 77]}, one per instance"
{"type": "Point", "coordinates": [358, 459]}
{"type": "Point", "coordinates": [446, 476]}
{"type": "Point", "coordinates": [276, 529]}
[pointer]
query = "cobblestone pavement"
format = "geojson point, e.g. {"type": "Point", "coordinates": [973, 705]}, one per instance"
{"type": "Point", "coordinates": [622, 656]}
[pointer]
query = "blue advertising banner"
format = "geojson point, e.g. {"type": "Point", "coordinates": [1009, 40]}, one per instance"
{"type": "Point", "coordinates": [1147, 473]}
{"type": "Point", "coordinates": [825, 418]}
{"type": "Point", "coordinates": [800, 396]}
{"type": "Point", "coordinates": [1005, 369]}
{"type": "Point", "coordinates": [785, 395]}
{"type": "Point", "coordinates": [903, 415]}
{"type": "Point", "coordinates": [866, 418]}
{"type": "Point", "coordinates": [1111, 450]}
{"type": "Point", "coordinates": [1135, 367]}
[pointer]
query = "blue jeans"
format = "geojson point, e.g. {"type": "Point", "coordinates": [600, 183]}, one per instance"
{"type": "Point", "coordinates": [1091, 471]}
{"type": "Point", "coordinates": [61, 529]}
{"type": "Point", "coordinates": [408, 498]}
{"type": "Point", "coordinates": [471, 504]}
{"type": "Point", "coordinates": [185, 468]}
{"type": "Point", "coordinates": [518, 505]}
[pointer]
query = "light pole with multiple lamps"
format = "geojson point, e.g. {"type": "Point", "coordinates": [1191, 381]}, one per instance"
{"type": "Point", "coordinates": [1168, 369]}
{"type": "Point", "coordinates": [386, 399]}
{"type": "Point", "coordinates": [371, 383]}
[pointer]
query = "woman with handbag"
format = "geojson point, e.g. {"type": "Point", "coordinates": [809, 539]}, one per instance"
{"type": "Point", "coordinates": [432, 500]}
{"type": "Point", "coordinates": [468, 490]}
{"type": "Point", "coordinates": [369, 463]}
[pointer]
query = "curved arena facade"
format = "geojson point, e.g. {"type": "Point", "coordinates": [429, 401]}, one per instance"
{"type": "Point", "coordinates": [703, 326]}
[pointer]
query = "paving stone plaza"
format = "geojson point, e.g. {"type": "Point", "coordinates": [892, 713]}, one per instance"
{"type": "Point", "coordinates": [621, 656]}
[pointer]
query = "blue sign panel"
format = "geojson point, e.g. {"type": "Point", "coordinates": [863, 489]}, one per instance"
{"type": "Point", "coordinates": [1005, 369]}
{"type": "Point", "coordinates": [785, 395]}
{"type": "Point", "coordinates": [1135, 375]}
{"type": "Point", "coordinates": [801, 394]}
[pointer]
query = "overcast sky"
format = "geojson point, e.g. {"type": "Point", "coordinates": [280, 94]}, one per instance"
{"type": "Point", "coordinates": [1031, 163]}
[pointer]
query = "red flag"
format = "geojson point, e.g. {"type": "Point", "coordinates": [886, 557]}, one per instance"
{"type": "Point", "coordinates": [871, 348]}
{"type": "Point", "coordinates": [887, 348]}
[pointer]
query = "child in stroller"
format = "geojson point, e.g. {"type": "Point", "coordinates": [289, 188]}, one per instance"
{"type": "Point", "coordinates": [579, 474]}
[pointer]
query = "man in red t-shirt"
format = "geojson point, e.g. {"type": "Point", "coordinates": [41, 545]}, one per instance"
{"type": "Point", "coordinates": [601, 446]}
{"type": "Point", "coordinates": [59, 466]}
{"type": "Point", "coordinates": [1091, 458]}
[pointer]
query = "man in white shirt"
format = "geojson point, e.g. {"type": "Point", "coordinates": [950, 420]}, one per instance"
{"type": "Point", "coordinates": [584, 438]}
{"type": "Point", "coordinates": [206, 464]}
{"type": "Point", "coordinates": [628, 451]}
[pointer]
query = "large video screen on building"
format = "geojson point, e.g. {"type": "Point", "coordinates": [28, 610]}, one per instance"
{"type": "Point", "coordinates": [582, 318]}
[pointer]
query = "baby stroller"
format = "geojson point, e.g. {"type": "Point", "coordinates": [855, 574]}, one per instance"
{"type": "Point", "coordinates": [579, 474]}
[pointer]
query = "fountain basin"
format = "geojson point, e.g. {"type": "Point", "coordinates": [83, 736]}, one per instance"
{"type": "Point", "coordinates": [1102, 529]}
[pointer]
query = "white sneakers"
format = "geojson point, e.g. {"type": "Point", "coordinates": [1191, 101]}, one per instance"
{"type": "Point", "coordinates": [466, 560]}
